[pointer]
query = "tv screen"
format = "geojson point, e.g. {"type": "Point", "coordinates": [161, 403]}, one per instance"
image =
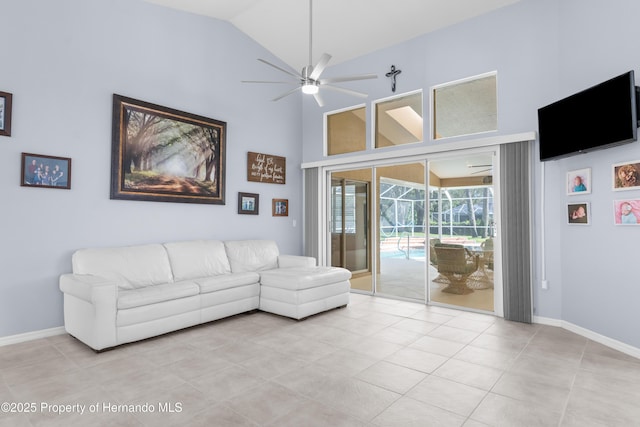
{"type": "Point", "coordinates": [602, 116]}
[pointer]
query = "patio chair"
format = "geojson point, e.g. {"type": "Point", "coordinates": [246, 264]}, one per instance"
{"type": "Point", "coordinates": [456, 264]}
{"type": "Point", "coordinates": [433, 259]}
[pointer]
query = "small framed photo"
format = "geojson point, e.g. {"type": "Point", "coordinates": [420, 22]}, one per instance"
{"type": "Point", "coordinates": [248, 203]}
{"type": "Point", "coordinates": [5, 113]}
{"type": "Point", "coordinates": [280, 207]}
{"type": "Point", "coordinates": [626, 212]}
{"type": "Point", "coordinates": [578, 213]}
{"type": "Point", "coordinates": [45, 171]}
{"type": "Point", "coordinates": [579, 182]}
{"type": "Point", "coordinates": [626, 176]}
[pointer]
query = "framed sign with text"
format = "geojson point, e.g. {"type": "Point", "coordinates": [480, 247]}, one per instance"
{"type": "Point", "coordinates": [266, 168]}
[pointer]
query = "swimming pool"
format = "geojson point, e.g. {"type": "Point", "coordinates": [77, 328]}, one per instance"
{"type": "Point", "coordinates": [396, 254]}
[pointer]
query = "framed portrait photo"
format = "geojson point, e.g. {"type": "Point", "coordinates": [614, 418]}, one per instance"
{"type": "Point", "coordinates": [248, 203]}
{"type": "Point", "coordinates": [626, 176]}
{"type": "Point", "coordinates": [38, 170]}
{"type": "Point", "coordinates": [626, 212]}
{"type": "Point", "coordinates": [280, 207]}
{"type": "Point", "coordinates": [579, 182]}
{"type": "Point", "coordinates": [578, 213]}
{"type": "Point", "coordinates": [5, 113]}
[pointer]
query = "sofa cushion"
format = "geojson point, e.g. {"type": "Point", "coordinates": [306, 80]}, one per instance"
{"type": "Point", "coordinates": [252, 255]}
{"type": "Point", "coordinates": [131, 266]}
{"type": "Point", "coordinates": [155, 294]}
{"type": "Point", "coordinates": [226, 281]}
{"type": "Point", "coordinates": [200, 258]}
{"type": "Point", "coordinates": [303, 277]}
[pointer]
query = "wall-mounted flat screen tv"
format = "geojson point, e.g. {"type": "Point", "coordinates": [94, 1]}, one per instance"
{"type": "Point", "coordinates": [602, 116]}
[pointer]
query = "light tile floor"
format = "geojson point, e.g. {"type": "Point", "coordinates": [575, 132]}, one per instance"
{"type": "Point", "coordinates": [378, 362]}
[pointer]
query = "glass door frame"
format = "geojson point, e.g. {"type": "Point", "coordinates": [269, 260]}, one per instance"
{"type": "Point", "coordinates": [325, 226]}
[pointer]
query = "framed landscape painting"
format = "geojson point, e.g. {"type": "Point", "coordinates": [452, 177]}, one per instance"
{"type": "Point", "coordinates": [165, 155]}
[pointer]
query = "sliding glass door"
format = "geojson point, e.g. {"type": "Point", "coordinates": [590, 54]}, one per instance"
{"type": "Point", "coordinates": [422, 231]}
{"type": "Point", "coordinates": [401, 219]}
{"type": "Point", "coordinates": [350, 228]}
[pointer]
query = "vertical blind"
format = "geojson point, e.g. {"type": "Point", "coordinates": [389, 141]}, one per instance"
{"type": "Point", "coordinates": [311, 212]}
{"type": "Point", "coordinates": [515, 210]}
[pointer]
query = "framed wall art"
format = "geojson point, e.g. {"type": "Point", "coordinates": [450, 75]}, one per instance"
{"type": "Point", "coordinates": [5, 113]}
{"type": "Point", "coordinates": [578, 213]}
{"type": "Point", "coordinates": [626, 212]}
{"type": "Point", "coordinates": [248, 203]}
{"type": "Point", "coordinates": [165, 155]}
{"type": "Point", "coordinates": [280, 207]}
{"type": "Point", "coordinates": [266, 168]}
{"type": "Point", "coordinates": [38, 170]}
{"type": "Point", "coordinates": [626, 176]}
{"type": "Point", "coordinates": [579, 182]}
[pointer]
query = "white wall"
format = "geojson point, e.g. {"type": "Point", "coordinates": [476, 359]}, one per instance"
{"type": "Point", "coordinates": [63, 61]}
{"type": "Point", "coordinates": [542, 50]}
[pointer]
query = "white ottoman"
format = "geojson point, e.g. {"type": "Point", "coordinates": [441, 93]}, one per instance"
{"type": "Point", "coordinates": [303, 291]}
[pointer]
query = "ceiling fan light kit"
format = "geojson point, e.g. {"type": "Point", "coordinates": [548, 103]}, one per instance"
{"type": "Point", "coordinates": [309, 81]}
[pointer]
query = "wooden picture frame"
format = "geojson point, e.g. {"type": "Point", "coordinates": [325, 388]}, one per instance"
{"type": "Point", "coordinates": [626, 176]}
{"type": "Point", "coordinates": [280, 207]}
{"type": "Point", "coordinates": [578, 213]}
{"type": "Point", "coordinates": [6, 100]}
{"type": "Point", "coordinates": [248, 203]}
{"type": "Point", "coordinates": [579, 182]}
{"type": "Point", "coordinates": [41, 171]}
{"type": "Point", "coordinates": [266, 168]}
{"type": "Point", "coordinates": [165, 155]}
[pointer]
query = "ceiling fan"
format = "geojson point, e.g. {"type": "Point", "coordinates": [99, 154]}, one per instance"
{"type": "Point", "coordinates": [309, 81]}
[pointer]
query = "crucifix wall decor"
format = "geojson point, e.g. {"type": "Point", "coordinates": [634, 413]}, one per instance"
{"type": "Point", "coordinates": [392, 75]}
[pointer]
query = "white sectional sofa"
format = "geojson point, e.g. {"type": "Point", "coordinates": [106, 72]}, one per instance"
{"type": "Point", "coordinates": [124, 294]}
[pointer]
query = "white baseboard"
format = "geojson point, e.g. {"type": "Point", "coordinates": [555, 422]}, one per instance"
{"type": "Point", "coordinates": [28, 336]}
{"type": "Point", "coordinates": [593, 336]}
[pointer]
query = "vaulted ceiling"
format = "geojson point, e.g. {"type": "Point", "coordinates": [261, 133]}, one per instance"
{"type": "Point", "coordinates": [345, 29]}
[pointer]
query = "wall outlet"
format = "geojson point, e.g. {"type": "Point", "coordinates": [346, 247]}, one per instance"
{"type": "Point", "coordinates": [294, 222]}
{"type": "Point", "coordinates": [545, 284]}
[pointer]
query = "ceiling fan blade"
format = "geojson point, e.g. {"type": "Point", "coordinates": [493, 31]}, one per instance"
{"type": "Point", "coordinates": [347, 78]}
{"type": "Point", "coordinates": [318, 99]}
{"type": "Point", "coordinates": [347, 91]}
{"type": "Point", "coordinates": [266, 81]}
{"type": "Point", "coordinates": [295, 89]}
{"type": "Point", "coordinates": [297, 76]}
{"type": "Point", "coordinates": [480, 166]}
{"type": "Point", "coordinates": [320, 66]}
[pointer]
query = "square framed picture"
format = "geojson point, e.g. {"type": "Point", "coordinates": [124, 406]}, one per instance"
{"type": "Point", "coordinates": [579, 182]}
{"type": "Point", "coordinates": [280, 207]}
{"type": "Point", "coordinates": [5, 113]}
{"type": "Point", "coordinates": [248, 203]}
{"type": "Point", "coordinates": [42, 171]}
{"type": "Point", "coordinates": [578, 213]}
{"type": "Point", "coordinates": [626, 176]}
{"type": "Point", "coordinates": [626, 212]}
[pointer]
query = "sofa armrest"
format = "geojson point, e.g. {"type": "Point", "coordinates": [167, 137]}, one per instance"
{"type": "Point", "coordinates": [90, 288]}
{"type": "Point", "coordinates": [90, 309]}
{"type": "Point", "coordinates": [290, 261]}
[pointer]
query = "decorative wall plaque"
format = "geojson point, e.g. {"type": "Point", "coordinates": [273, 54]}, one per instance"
{"type": "Point", "coordinates": [266, 168]}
